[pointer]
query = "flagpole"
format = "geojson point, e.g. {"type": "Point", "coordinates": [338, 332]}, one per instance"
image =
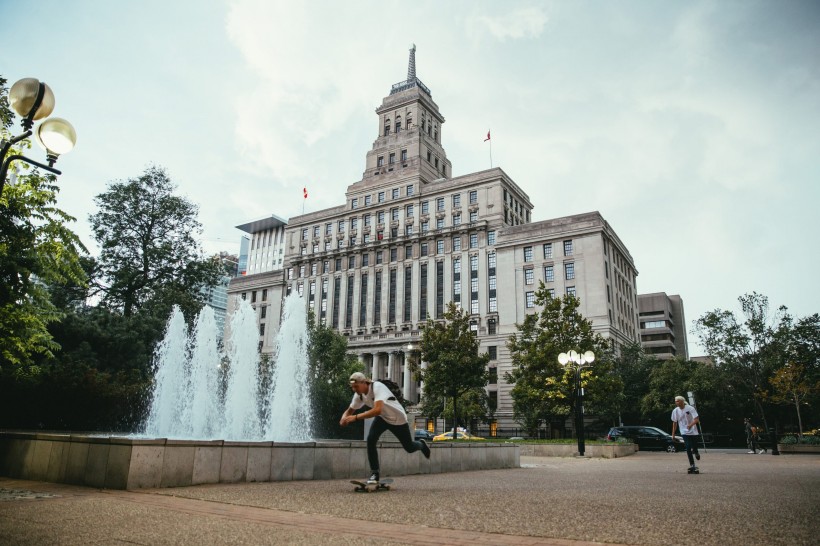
{"type": "Point", "coordinates": [491, 154]}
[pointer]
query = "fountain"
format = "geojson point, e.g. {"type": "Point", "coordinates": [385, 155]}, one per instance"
{"type": "Point", "coordinates": [188, 400]}
{"type": "Point", "coordinates": [224, 418]}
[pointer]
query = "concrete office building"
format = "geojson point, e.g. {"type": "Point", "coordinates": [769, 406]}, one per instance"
{"type": "Point", "coordinates": [663, 325]}
{"type": "Point", "coordinates": [411, 237]}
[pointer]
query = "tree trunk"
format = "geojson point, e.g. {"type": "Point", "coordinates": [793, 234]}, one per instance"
{"type": "Point", "coordinates": [799, 419]}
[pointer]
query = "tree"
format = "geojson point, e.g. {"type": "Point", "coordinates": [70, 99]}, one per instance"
{"type": "Point", "coordinates": [330, 370]}
{"type": "Point", "coordinates": [36, 248]}
{"type": "Point", "coordinates": [749, 352]}
{"type": "Point", "coordinates": [149, 252]}
{"type": "Point", "coordinates": [454, 365]}
{"type": "Point", "coordinates": [544, 389]}
{"type": "Point", "coordinates": [791, 385]}
{"type": "Point", "coordinates": [633, 367]}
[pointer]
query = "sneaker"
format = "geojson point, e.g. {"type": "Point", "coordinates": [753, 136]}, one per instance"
{"type": "Point", "coordinates": [425, 448]}
{"type": "Point", "coordinates": [374, 478]}
{"type": "Point", "coordinates": [697, 455]}
{"type": "Point", "coordinates": [761, 452]}
{"type": "Point", "coordinates": [752, 452]}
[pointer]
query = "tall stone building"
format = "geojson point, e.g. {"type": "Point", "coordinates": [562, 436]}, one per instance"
{"type": "Point", "coordinates": [411, 237]}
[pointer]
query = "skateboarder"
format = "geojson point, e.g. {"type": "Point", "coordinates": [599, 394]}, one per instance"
{"type": "Point", "coordinates": [387, 414]}
{"type": "Point", "coordinates": [686, 418]}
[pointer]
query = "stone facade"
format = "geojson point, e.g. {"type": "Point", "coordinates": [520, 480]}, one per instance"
{"type": "Point", "coordinates": [411, 237]}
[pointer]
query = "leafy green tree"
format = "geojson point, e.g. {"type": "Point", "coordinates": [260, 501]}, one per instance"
{"type": "Point", "coordinates": [791, 385]}
{"type": "Point", "coordinates": [633, 367]}
{"type": "Point", "coordinates": [454, 365]}
{"type": "Point", "coordinates": [36, 248]}
{"type": "Point", "coordinates": [750, 351]}
{"type": "Point", "coordinates": [330, 369]}
{"type": "Point", "coordinates": [149, 253]}
{"type": "Point", "coordinates": [669, 378]}
{"type": "Point", "coordinates": [543, 388]}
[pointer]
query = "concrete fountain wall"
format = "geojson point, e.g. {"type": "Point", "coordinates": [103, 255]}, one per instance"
{"type": "Point", "coordinates": [129, 463]}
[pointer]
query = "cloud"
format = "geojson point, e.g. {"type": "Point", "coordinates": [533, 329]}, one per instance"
{"type": "Point", "coordinates": [527, 22]}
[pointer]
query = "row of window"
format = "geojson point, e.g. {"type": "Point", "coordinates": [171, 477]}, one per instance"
{"type": "Point", "coordinates": [395, 193]}
{"type": "Point", "coordinates": [547, 247]}
{"type": "Point", "coordinates": [549, 273]}
{"type": "Point", "coordinates": [530, 296]}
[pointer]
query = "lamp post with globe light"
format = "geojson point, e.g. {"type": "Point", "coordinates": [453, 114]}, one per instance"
{"type": "Point", "coordinates": [576, 361]}
{"type": "Point", "coordinates": [33, 100]}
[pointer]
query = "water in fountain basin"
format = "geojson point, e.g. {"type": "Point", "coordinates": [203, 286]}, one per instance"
{"type": "Point", "coordinates": [170, 379]}
{"type": "Point", "coordinates": [242, 411]}
{"type": "Point", "coordinates": [206, 408]}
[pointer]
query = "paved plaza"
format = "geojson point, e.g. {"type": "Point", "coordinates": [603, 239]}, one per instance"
{"type": "Point", "coordinates": [646, 498]}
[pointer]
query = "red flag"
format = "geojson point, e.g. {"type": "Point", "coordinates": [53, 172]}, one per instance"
{"type": "Point", "coordinates": [304, 190]}
{"type": "Point", "coordinates": [488, 136]}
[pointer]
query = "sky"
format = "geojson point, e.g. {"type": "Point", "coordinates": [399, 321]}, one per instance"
{"type": "Point", "coordinates": [693, 127]}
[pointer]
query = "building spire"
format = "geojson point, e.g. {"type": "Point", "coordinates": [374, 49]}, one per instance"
{"type": "Point", "coordinates": [411, 64]}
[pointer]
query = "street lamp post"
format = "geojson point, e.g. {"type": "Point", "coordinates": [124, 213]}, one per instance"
{"type": "Point", "coordinates": [33, 100]}
{"type": "Point", "coordinates": [576, 361]}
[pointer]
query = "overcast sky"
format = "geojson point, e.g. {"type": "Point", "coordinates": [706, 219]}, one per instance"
{"type": "Point", "coordinates": [693, 127]}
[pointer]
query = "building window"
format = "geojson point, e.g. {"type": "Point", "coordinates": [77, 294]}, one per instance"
{"type": "Point", "coordinates": [379, 257]}
{"type": "Point", "coordinates": [425, 227]}
{"type": "Point", "coordinates": [491, 327]}
{"type": "Point", "coordinates": [456, 200]}
{"type": "Point", "coordinates": [491, 237]}
{"type": "Point", "coordinates": [365, 260]}
{"type": "Point", "coordinates": [527, 253]}
{"type": "Point", "coordinates": [367, 200]}
{"type": "Point", "coordinates": [354, 223]}
{"type": "Point", "coordinates": [380, 217]}
{"type": "Point", "coordinates": [457, 219]}
{"type": "Point", "coordinates": [380, 161]}
{"type": "Point", "coordinates": [439, 223]}
{"type": "Point", "coordinates": [408, 211]}
{"type": "Point", "coordinates": [473, 216]}
{"type": "Point", "coordinates": [403, 159]}
{"type": "Point", "coordinates": [395, 192]}
{"type": "Point", "coordinates": [262, 329]}
{"type": "Point", "coordinates": [314, 267]}
{"type": "Point", "coordinates": [571, 291]}
{"type": "Point", "coordinates": [354, 203]}
{"type": "Point", "coordinates": [263, 313]}
{"type": "Point", "coordinates": [325, 267]}
{"type": "Point", "coordinates": [351, 262]}
{"type": "Point", "coordinates": [456, 244]}
{"type": "Point", "coordinates": [549, 273]}
{"type": "Point", "coordinates": [474, 307]}
{"type": "Point", "coordinates": [408, 252]}
{"type": "Point", "coordinates": [424, 249]}
{"type": "Point", "coordinates": [473, 197]}
{"type": "Point", "coordinates": [381, 197]}
{"type": "Point", "coordinates": [440, 204]}
{"type": "Point", "coordinates": [410, 188]}
{"type": "Point", "coordinates": [568, 248]}
{"type": "Point", "coordinates": [341, 226]}
{"type": "Point", "coordinates": [408, 230]}
{"type": "Point", "coordinates": [304, 234]}
{"type": "Point", "coordinates": [425, 207]}
{"type": "Point", "coordinates": [530, 296]}
{"type": "Point", "coordinates": [394, 254]}
{"type": "Point", "coordinates": [474, 240]}
{"type": "Point", "coordinates": [366, 220]}
{"type": "Point", "coordinates": [529, 276]}
{"type": "Point", "coordinates": [547, 250]}
{"type": "Point", "coordinates": [394, 214]}
{"type": "Point", "coordinates": [569, 271]}
{"type": "Point", "coordinates": [439, 247]}
{"type": "Point", "coordinates": [386, 127]}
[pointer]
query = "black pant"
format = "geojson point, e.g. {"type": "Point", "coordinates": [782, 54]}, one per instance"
{"type": "Point", "coordinates": [751, 441]}
{"type": "Point", "coordinates": [402, 432]}
{"type": "Point", "coordinates": [691, 443]}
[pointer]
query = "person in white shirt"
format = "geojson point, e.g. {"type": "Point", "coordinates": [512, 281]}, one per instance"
{"type": "Point", "coordinates": [387, 414]}
{"type": "Point", "coordinates": [686, 419]}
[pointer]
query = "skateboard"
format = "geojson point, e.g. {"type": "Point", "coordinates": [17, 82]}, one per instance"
{"type": "Point", "coordinates": [364, 487]}
{"type": "Point", "coordinates": [694, 470]}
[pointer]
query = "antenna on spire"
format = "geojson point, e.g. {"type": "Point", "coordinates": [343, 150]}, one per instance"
{"type": "Point", "coordinates": [411, 64]}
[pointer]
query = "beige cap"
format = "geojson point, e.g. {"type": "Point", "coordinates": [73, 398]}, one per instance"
{"type": "Point", "coordinates": [358, 377]}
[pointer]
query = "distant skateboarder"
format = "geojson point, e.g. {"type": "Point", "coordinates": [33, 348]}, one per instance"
{"type": "Point", "coordinates": [387, 414]}
{"type": "Point", "coordinates": [686, 418]}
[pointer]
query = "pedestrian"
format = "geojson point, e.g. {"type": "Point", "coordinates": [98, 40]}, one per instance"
{"type": "Point", "coordinates": [751, 436]}
{"type": "Point", "coordinates": [387, 414]}
{"type": "Point", "coordinates": [685, 417]}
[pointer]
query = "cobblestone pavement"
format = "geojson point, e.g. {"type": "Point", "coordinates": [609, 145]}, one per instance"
{"type": "Point", "coordinates": [646, 498]}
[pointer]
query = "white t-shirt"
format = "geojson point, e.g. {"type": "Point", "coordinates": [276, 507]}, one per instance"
{"type": "Point", "coordinates": [392, 410]}
{"type": "Point", "coordinates": [684, 418]}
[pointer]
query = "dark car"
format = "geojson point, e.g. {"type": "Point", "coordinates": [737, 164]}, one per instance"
{"type": "Point", "coordinates": [423, 435]}
{"type": "Point", "coordinates": [647, 438]}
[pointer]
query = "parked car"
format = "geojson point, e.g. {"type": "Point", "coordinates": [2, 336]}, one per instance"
{"type": "Point", "coordinates": [423, 435]}
{"type": "Point", "coordinates": [449, 436]}
{"type": "Point", "coordinates": [647, 438]}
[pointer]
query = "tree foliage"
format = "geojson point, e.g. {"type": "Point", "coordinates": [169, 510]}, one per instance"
{"type": "Point", "coordinates": [454, 365]}
{"type": "Point", "coordinates": [544, 389]}
{"type": "Point", "coordinates": [330, 369]}
{"type": "Point", "coordinates": [36, 248]}
{"type": "Point", "coordinates": [149, 252]}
